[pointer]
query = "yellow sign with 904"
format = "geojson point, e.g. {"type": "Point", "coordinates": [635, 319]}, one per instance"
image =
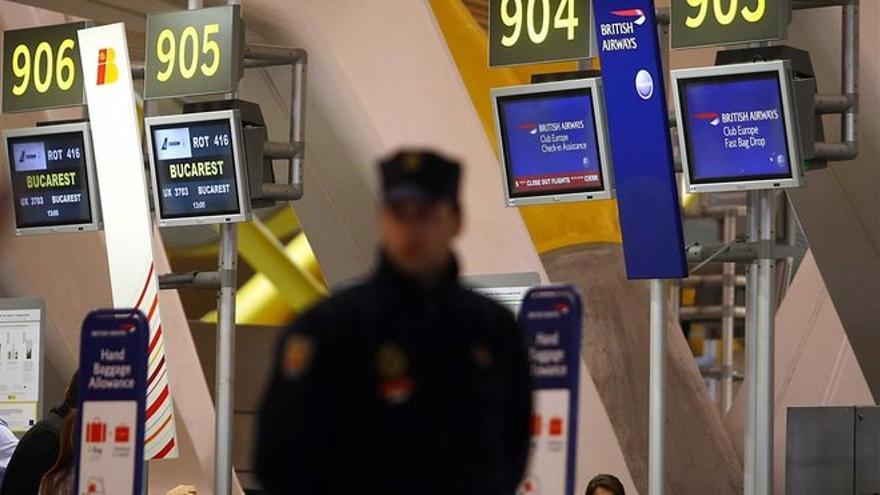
{"type": "Point", "coordinates": [41, 68]}
{"type": "Point", "coordinates": [193, 52]}
{"type": "Point", "coordinates": [712, 22]}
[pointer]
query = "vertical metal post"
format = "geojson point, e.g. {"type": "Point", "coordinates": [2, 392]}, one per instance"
{"type": "Point", "coordinates": [751, 336]}
{"type": "Point", "coordinates": [849, 77]}
{"type": "Point", "coordinates": [657, 413]}
{"type": "Point", "coordinates": [225, 358]}
{"type": "Point", "coordinates": [764, 378]}
{"type": "Point", "coordinates": [728, 301]}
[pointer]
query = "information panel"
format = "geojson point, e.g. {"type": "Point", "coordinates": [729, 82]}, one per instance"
{"type": "Point", "coordinates": [551, 318]}
{"type": "Point", "coordinates": [21, 362]}
{"type": "Point", "coordinates": [715, 22]}
{"type": "Point", "coordinates": [739, 130]}
{"type": "Point", "coordinates": [41, 68]}
{"type": "Point", "coordinates": [197, 171]}
{"type": "Point", "coordinates": [530, 31]}
{"type": "Point", "coordinates": [111, 403]}
{"type": "Point", "coordinates": [553, 142]}
{"type": "Point", "coordinates": [53, 178]}
{"type": "Point", "coordinates": [638, 128]}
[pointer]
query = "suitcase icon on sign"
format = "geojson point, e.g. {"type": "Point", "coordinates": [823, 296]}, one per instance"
{"type": "Point", "coordinates": [95, 486]}
{"type": "Point", "coordinates": [96, 431]}
{"type": "Point", "coordinates": [121, 434]}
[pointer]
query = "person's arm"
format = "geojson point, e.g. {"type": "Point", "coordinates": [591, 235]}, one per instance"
{"type": "Point", "coordinates": [291, 419]}
{"type": "Point", "coordinates": [519, 411]}
{"type": "Point", "coordinates": [29, 463]}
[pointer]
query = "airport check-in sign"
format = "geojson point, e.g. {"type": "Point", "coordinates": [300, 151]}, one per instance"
{"type": "Point", "coordinates": [644, 170]}
{"type": "Point", "coordinates": [551, 318]}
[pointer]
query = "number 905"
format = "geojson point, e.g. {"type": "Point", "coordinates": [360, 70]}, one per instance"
{"type": "Point", "coordinates": [725, 16]}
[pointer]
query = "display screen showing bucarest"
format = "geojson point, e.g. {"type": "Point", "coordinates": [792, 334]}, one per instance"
{"type": "Point", "coordinates": [50, 180]}
{"type": "Point", "coordinates": [735, 128]}
{"type": "Point", "coordinates": [550, 143]}
{"type": "Point", "coordinates": [195, 169]}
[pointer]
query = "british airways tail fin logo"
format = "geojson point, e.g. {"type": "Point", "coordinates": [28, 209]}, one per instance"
{"type": "Point", "coordinates": [531, 128]}
{"type": "Point", "coordinates": [713, 117]}
{"type": "Point", "coordinates": [637, 14]}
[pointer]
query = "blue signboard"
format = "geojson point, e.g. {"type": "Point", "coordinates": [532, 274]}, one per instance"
{"type": "Point", "coordinates": [551, 318]}
{"type": "Point", "coordinates": [644, 167]}
{"type": "Point", "coordinates": [735, 128]}
{"type": "Point", "coordinates": [111, 403]}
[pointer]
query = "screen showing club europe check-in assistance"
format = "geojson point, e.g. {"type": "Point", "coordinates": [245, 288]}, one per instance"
{"type": "Point", "coordinates": [550, 143]}
{"type": "Point", "coordinates": [736, 129]}
{"type": "Point", "coordinates": [50, 181]}
{"type": "Point", "coordinates": [195, 169]}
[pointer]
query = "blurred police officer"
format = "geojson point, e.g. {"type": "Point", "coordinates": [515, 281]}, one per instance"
{"type": "Point", "coordinates": [407, 383]}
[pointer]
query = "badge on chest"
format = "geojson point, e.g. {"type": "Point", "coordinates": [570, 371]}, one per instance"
{"type": "Point", "coordinates": [396, 386]}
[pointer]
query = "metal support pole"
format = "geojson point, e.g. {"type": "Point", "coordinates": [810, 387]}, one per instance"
{"type": "Point", "coordinates": [850, 74]}
{"type": "Point", "coordinates": [728, 301]}
{"type": "Point", "coordinates": [657, 413]}
{"type": "Point", "coordinates": [764, 378]}
{"type": "Point", "coordinates": [751, 335]}
{"type": "Point", "coordinates": [225, 358]}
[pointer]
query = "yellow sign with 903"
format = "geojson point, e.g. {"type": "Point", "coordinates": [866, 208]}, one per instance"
{"type": "Point", "coordinates": [713, 22]}
{"type": "Point", "coordinates": [41, 68]}
{"type": "Point", "coordinates": [193, 52]}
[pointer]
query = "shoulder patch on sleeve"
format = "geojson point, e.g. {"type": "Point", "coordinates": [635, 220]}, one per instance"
{"type": "Point", "coordinates": [297, 356]}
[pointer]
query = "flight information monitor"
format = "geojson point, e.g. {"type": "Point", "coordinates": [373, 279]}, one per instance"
{"type": "Point", "coordinates": [198, 168]}
{"type": "Point", "coordinates": [738, 127]}
{"type": "Point", "coordinates": [553, 142]}
{"type": "Point", "coordinates": [54, 188]}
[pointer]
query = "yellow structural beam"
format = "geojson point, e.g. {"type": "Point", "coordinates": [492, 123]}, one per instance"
{"type": "Point", "coordinates": [551, 227]}
{"type": "Point", "coordinates": [260, 302]}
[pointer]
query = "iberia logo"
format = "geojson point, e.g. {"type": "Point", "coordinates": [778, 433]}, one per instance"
{"type": "Point", "coordinates": [713, 117]}
{"type": "Point", "coordinates": [530, 127]}
{"type": "Point", "coordinates": [108, 73]}
{"type": "Point", "coordinates": [631, 14]}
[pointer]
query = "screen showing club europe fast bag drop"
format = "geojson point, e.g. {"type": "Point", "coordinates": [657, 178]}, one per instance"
{"type": "Point", "coordinates": [49, 179]}
{"type": "Point", "coordinates": [550, 143]}
{"type": "Point", "coordinates": [736, 128]}
{"type": "Point", "coordinates": [195, 169]}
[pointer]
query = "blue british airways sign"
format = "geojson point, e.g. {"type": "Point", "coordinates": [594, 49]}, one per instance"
{"type": "Point", "coordinates": [644, 167]}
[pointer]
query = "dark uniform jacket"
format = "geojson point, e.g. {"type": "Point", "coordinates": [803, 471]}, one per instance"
{"type": "Point", "coordinates": [388, 388]}
{"type": "Point", "coordinates": [35, 454]}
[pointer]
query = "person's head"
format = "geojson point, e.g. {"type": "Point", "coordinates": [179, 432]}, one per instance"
{"type": "Point", "coordinates": [420, 214]}
{"type": "Point", "coordinates": [71, 391]}
{"type": "Point", "coordinates": [605, 484]}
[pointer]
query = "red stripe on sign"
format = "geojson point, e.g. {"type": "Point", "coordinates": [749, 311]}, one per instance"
{"type": "Point", "coordinates": [627, 13]}
{"type": "Point", "coordinates": [159, 401]}
{"type": "Point", "coordinates": [156, 371]}
{"type": "Point", "coordinates": [165, 450]}
{"type": "Point", "coordinates": [153, 308]}
{"type": "Point", "coordinates": [146, 286]}
{"type": "Point", "coordinates": [155, 339]}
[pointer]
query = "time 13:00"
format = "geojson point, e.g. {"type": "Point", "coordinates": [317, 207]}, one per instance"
{"type": "Point", "coordinates": [205, 141]}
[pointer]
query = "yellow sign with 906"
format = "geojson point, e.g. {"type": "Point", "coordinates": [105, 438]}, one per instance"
{"type": "Point", "coordinates": [41, 68]}
{"type": "Point", "coordinates": [712, 22]}
{"type": "Point", "coordinates": [193, 52]}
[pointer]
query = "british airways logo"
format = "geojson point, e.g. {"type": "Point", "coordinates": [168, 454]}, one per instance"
{"type": "Point", "coordinates": [714, 118]}
{"type": "Point", "coordinates": [530, 127]}
{"type": "Point", "coordinates": [637, 16]}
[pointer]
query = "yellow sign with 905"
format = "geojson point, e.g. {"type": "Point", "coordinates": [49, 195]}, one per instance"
{"type": "Point", "coordinates": [193, 52]}
{"type": "Point", "coordinates": [41, 68]}
{"type": "Point", "coordinates": [712, 22]}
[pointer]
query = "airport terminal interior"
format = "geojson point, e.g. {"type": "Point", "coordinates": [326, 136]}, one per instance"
{"type": "Point", "coordinates": [678, 200]}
